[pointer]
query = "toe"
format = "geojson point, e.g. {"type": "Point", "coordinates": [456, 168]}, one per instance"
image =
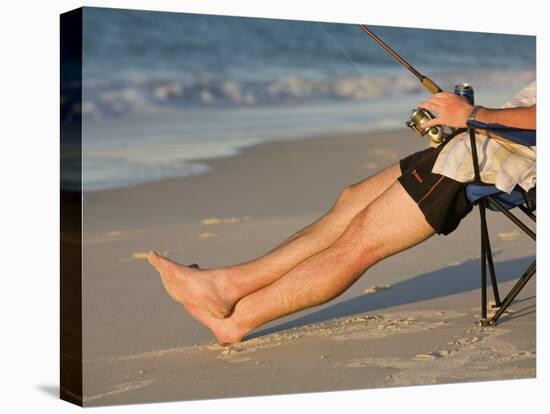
{"type": "Point", "coordinates": [153, 259]}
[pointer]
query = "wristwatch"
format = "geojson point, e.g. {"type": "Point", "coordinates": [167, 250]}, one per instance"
{"type": "Point", "coordinates": [474, 112]}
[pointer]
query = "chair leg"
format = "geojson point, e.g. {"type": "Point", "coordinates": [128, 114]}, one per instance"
{"type": "Point", "coordinates": [511, 296]}
{"type": "Point", "coordinates": [483, 263]}
{"type": "Point", "coordinates": [489, 254]}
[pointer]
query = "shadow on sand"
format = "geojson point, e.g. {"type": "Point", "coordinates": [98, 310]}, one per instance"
{"type": "Point", "coordinates": [447, 281]}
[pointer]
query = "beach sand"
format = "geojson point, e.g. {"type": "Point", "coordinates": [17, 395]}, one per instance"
{"type": "Point", "coordinates": [410, 320]}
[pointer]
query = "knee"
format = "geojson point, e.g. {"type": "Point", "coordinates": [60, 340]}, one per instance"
{"type": "Point", "coordinates": [346, 197]}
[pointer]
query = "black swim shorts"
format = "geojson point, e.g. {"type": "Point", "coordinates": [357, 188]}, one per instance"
{"type": "Point", "coordinates": [442, 200]}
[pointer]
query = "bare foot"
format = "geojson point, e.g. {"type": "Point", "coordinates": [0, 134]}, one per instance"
{"type": "Point", "coordinates": [225, 330]}
{"type": "Point", "coordinates": [189, 285]}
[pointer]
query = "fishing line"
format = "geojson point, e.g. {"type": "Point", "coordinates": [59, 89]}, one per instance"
{"type": "Point", "coordinates": [343, 51]}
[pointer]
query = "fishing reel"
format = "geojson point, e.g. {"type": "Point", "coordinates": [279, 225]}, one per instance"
{"type": "Point", "coordinates": [418, 117]}
{"type": "Point", "coordinates": [437, 133]}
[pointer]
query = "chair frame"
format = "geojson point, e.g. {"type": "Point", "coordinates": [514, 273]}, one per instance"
{"type": "Point", "coordinates": [486, 253]}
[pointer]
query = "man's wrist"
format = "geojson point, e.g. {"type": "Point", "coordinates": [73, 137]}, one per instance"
{"type": "Point", "coordinates": [475, 112]}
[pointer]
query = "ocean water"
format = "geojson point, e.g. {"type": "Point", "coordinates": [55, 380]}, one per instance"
{"type": "Point", "coordinates": [163, 92]}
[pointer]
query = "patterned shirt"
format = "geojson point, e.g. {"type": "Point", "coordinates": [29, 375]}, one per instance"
{"type": "Point", "coordinates": [502, 162]}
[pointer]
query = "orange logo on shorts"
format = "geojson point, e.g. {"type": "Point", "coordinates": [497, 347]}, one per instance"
{"type": "Point", "coordinates": [417, 176]}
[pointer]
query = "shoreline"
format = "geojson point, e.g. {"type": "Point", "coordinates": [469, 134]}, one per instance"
{"type": "Point", "coordinates": [402, 133]}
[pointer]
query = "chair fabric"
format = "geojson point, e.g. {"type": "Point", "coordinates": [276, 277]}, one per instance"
{"type": "Point", "coordinates": [521, 136]}
{"type": "Point", "coordinates": [475, 192]}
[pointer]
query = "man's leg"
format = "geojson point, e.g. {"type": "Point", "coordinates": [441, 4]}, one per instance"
{"type": "Point", "coordinates": [219, 289]}
{"type": "Point", "coordinates": [390, 224]}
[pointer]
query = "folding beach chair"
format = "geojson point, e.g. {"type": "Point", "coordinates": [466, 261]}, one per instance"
{"type": "Point", "coordinates": [488, 196]}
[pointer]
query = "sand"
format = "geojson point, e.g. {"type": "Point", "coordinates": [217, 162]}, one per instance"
{"type": "Point", "coordinates": [411, 320]}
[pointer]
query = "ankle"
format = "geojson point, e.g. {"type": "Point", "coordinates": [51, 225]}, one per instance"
{"type": "Point", "coordinates": [227, 283]}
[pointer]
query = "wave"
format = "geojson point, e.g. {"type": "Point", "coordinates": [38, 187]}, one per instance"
{"type": "Point", "coordinates": [138, 94]}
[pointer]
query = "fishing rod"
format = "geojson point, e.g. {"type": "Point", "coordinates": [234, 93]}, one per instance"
{"type": "Point", "coordinates": [427, 82]}
{"type": "Point", "coordinates": [421, 115]}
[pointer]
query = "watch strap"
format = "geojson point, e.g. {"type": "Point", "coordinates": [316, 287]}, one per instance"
{"type": "Point", "coordinates": [474, 112]}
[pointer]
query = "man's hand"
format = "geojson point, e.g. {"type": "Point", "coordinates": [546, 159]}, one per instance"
{"type": "Point", "coordinates": [450, 109]}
